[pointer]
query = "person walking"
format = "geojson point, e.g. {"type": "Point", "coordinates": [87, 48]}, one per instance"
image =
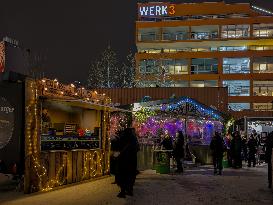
{"type": "Point", "coordinates": [268, 157]}
{"type": "Point", "coordinates": [236, 149]}
{"type": "Point", "coordinates": [217, 148]}
{"type": "Point", "coordinates": [178, 151]}
{"type": "Point", "coordinates": [252, 150]}
{"type": "Point", "coordinates": [127, 162]}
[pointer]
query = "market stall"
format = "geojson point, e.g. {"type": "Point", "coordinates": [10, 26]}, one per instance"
{"type": "Point", "coordinates": [197, 121]}
{"type": "Point", "coordinates": [66, 135]}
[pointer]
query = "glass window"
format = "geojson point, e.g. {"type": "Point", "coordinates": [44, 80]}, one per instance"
{"type": "Point", "coordinates": [148, 66]}
{"type": "Point", "coordinates": [204, 65]}
{"type": "Point", "coordinates": [263, 30]}
{"type": "Point", "coordinates": [235, 31]}
{"type": "Point", "coordinates": [144, 84]}
{"type": "Point", "coordinates": [261, 48]}
{"type": "Point", "coordinates": [148, 34]}
{"type": "Point", "coordinates": [175, 33]}
{"type": "Point", "coordinates": [263, 65]}
{"type": "Point", "coordinates": [202, 83]}
{"type": "Point", "coordinates": [168, 65]}
{"type": "Point", "coordinates": [263, 88]}
{"type": "Point", "coordinates": [181, 66]}
{"type": "Point", "coordinates": [149, 50]}
{"type": "Point", "coordinates": [181, 83]}
{"type": "Point", "coordinates": [236, 65]}
{"type": "Point", "coordinates": [237, 87]}
{"type": "Point", "coordinates": [204, 32]}
{"type": "Point", "coordinates": [232, 48]}
{"type": "Point", "coordinates": [263, 106]}
{"type": "Point", "coordinates": [239, 106]}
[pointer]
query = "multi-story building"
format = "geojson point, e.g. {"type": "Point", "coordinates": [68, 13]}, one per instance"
{"type": "Point", "coordinates": [209, 45]}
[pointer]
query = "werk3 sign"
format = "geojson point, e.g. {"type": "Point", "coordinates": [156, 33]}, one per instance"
{"type": "Point", "coordinates": [156, 10]}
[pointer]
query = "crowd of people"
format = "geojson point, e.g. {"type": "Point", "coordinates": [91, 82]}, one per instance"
{"type": "Point", "coordinates": [241, 148]}
{"type": "Point", "coordinates": [238, 148]}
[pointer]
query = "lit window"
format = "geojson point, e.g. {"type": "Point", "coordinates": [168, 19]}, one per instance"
{"type": "Point", "coordinates": [236, 65]}
{"type": "Point", "coordinates": [237, 87]}
{"type": "Point", "coordinates": [239, 106]}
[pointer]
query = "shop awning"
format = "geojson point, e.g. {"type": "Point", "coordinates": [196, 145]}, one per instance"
{"type": "Point", "coordinates": [86, 105]}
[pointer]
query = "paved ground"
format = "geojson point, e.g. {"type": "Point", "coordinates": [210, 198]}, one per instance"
{"type": "Point", "coordinates": [197, 186]}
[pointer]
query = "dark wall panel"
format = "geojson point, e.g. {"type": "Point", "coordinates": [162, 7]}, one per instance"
{"type": "Point", "coordinates": [11, 125]}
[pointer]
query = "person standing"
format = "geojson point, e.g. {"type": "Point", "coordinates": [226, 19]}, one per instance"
{"type": "Point", "coordinates": [179, 151]}
{"type": "Point", "coordinates": [252, 150]}
{"type": "Point", "coordinates": [127, 162]}
{"type": "Point", "coordinates": [217, 148]}
{"type": "Point", "coordinates": [236, 149]}
{"type": "Point", "coordinates": [244, 147]}
{"type": "Point", "coordinates": [268, 155]}
{"type": "Point", "coordinates": [166, 142]}
{"type": "Point", "coordinates": [228, 144]}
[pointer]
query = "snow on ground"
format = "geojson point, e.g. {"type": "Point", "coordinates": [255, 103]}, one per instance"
{"type": "Point", "coordinates": [196, 186]}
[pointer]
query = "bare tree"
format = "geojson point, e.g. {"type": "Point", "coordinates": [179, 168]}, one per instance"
{"type": "Point", "coordinates": [128, 71]}
{"type": "Point", "coordinates": [105, 72]}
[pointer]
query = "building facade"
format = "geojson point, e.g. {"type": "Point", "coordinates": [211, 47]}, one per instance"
{"type": "Point", "coordinates": [208, 45]}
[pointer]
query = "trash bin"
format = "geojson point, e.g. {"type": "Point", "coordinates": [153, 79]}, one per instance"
{"type": "Point", "coordinates": [162, 161]}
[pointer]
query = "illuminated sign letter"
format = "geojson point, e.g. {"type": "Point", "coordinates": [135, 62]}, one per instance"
{"type": "Point", "coordinates": [143, 11]}
{"type": "Point", "coordinates": [158, 10]}
{"type": "Point", "coordinates": [152, 11]}
{"type": "Point", "coordinates": [164, 11]}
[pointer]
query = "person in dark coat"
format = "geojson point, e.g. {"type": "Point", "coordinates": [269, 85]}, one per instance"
{"type": "Point", "coordinates": [236, 149]}
{"type": "Point", "coordinates": [244, 148]}
{"type": "Point", "coordinates": [166, 142]}
{"type": "Point", "coordinates": [178, 151]}
{"type": "Point", "coordinates": [127, 162]}
{"type": "Point", "coordinates": [228, 145]}
{"type": "Point", "coordinates": [268, 157]}
{"type": "Point", "coordinates": [252, 150]}
{"type": "Point", "coordinates": [217, 148]}
{"type": "Point", "coordinates": [114, 151]}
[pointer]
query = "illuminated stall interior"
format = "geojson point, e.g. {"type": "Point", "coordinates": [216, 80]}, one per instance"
{"type": "Point", "coordinates": [67, 125]}
{"type": "Point", "coordinates": [197, 121]}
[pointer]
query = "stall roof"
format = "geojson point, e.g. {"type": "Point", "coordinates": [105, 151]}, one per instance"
{"type": "Point", "coordinates": [87, 105]}
{"type": "Point", "coordinates": [183, 106]}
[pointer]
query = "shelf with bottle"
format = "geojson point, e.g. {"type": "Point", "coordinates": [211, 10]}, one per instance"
{"type": "Point", "coordinates": [69, 144]}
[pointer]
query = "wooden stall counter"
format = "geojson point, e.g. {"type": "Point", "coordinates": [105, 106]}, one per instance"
{"type": "Point", "coordinates": [70, 166]}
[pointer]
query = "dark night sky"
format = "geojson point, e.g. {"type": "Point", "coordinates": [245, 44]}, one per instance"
{"type": "Point", "coordinates": [73, 33]}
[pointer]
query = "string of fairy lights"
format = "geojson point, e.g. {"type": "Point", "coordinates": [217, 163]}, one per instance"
{"type": "Point", "coordinates": [92, 159]}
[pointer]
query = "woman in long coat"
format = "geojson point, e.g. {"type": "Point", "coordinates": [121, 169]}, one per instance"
{"type": "Point", "coordinates": [127, 162]}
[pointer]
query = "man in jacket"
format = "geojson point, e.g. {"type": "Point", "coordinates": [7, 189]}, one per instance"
{"type": "Point", "coordinates": [217, 148]}
{"type": "Point", "coordinates": [252, 147]}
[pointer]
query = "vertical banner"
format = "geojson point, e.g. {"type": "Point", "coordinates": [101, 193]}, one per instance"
{"type": "Point", "coordinates": [2, 56]}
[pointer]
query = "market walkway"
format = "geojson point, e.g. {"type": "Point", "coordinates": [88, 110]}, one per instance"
{"type": "Point", "coordinates": [196, 186]}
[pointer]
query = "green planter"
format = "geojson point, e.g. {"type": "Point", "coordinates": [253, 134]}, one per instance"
{"type": "Point", "coordinates": [225, 164]}
{"type": "Point", "coordinates": [162, 165]}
